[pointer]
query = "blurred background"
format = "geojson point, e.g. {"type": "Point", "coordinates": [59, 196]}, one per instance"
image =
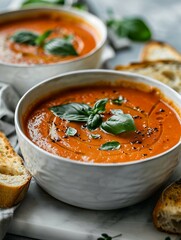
{"type": "Point", "coordinates": [162, 16]}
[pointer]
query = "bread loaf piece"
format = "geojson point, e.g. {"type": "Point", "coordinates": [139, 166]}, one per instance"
{"type": "Point", "coordinates": [155, 50]}
{"type": "Point", "coordinates": [14, 178]}
{"type": "Point", "coordinates": [166, 71]}
{"type": "Point", "coordinates": [167, 212]}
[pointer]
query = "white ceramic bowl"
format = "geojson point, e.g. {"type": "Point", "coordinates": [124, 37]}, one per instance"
{"type": "Point", "coordinates": [90, 185]}
{"type": "Point", "coordinates": [23, 77]}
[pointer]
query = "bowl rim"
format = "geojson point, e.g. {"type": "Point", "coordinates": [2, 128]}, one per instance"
{"type": "Point", "coordinates": [86, 16]}
{"type": "Point", "coordinates": [92, 164]}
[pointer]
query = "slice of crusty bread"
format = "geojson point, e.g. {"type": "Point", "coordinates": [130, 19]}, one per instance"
{"type": "Point", "coordinates": [166, 71]}
{"type": "Point", "coordinates": [155, 50]}
{"type": "Point", "coordinates": [167, 212]}
{"type": "Point", "coordinates": [14, 178]}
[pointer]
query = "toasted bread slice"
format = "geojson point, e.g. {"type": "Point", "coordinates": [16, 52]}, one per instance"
{"type": "Point", "coordinates": [14, 178]}
{"type": "Point", "coordinates": [167, 212]}
{"type": "Point", "coordinates": [159, 51]}
{"type": "Point", "coordinates": [166, 71]}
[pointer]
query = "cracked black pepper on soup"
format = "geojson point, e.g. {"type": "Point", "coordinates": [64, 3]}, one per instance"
{"type": "Point", "coordinates": [104, 124]}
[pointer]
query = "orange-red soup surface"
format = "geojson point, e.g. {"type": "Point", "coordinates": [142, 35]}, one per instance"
{"type": "Point", "coordinates": [85, 38]}
{"type": "Point", "coordinates": [158, 126]}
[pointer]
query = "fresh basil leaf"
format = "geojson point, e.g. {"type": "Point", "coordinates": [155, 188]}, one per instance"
{"type": "Point", "coordinates": [60, 47]}
{"type": "Point", "coordinates": [95, 136]}
{"type": "Point", "coordinates": [25, 37]}
{"type": "Point", "coordinates": [94, 121]}
{"type": "Point", "coordinates": [44, 2]}
{"type": "Point", "coordinates": [114, 145]}
{"type": "Point", "coordinates": [77, 5]}
{"type": "Point", "coordinates": [118, 101]}
{"type": "Point", "coordinates": [116, 26]}
{"type": "Point", "coordinates": [112, 23]}
{"type": "Point", "coordinates": [100, 105]}
{"type": "Point", "coordinates": [77, 112]}
{"type": "Point", "coordinates": [71, 132]}
{"type": "Point", "coordinates": [118, 124]}
{"type": "Point", "coordinates": [136, 28]}
{"type": "Point", "coordinates": [41, 39]}
{"type": "Point", "coordinates": [105, 235]}
{"type": "Point", "coordinates": [133, 28]}
{"type": "Point", "coordinates": [116, 111]}
{"type": "Point", "coordinates": [80, 6]}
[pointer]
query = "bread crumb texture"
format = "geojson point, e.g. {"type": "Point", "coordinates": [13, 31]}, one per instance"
{"type": "Point", "coordinates": [14, 177]}
{"type": "Point", "coordinates": [155, 50]}
{"type": "Point", "coordinates": [166, 71]}
{"type": "Point", "coordinates": [167, 212]}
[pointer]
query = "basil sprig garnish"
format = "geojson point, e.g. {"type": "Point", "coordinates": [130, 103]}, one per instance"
{"type": "Point", "coordinates": [94, 121]}
{"type": "Point", "coordinates": [55, 46]}
{"type": "Point", "coordinates": [105, 236]}
{"type": "Point", "coordinates": [118, 101]}
{"type": "Point", "coordinates": [116, 111]}
{"type": "Point", "coordinates": [71, 131]}
{"type": "Point", "coordinates": [113, 145]}
{"type": "Point", "coordinates": [75, 112]}
{"type": "Point", "coordinates": [30, 38]}
{"type": "Point", "coordinates": [118, 124]}
{"type": "Point", "coordinates": [133, 28]}
{"type": "Point", "coordinates": [95, 136]}
{"type": "Point", "coordinates": [25, 37]}
{"type": "Point", "coordinates": [41, 39]}
{"type": "Point", "coordinates": [44, 2]}
{"type": "Point", "coordinates": [99, 106]}
{"type": "Point", "coordinates": [80, 112]}
{"type": "Point", "coordinates": [60, 47]}
{"type": "Point", "coordinates": [50, 3]}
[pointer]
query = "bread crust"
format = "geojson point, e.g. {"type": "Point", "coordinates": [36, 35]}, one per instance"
{"type": "Point", "coordinates": [14, 178]}
{"type": "Point", "coordinates": [144, 64]}
{"type": "Point", "coordinates": [167, 212]}
{"type": "Point", "coordinates": [166, 71]}
{"type": "Point", "coordinates": [156, 50]}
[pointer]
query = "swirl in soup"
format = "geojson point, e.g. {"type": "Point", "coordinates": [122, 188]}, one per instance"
{"type": "Point", "coordinates": [46, 39]}
{"type": "Point", "coordinates": [104, 124]}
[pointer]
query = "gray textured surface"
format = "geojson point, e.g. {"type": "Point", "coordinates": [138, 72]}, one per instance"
{"type": "Point", "coordinates": [163, 17]}
{"type": "Point", "coordinates": [14, 237]}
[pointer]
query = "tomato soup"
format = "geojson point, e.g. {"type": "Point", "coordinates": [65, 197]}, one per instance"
{"type": "Point", "coordinates": [104, 124]}
{"type": "Point", "coordinates": [15, 50]}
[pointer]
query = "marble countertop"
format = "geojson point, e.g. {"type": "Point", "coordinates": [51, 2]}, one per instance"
{"type": "Point", "coordinates": [42, 217]}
